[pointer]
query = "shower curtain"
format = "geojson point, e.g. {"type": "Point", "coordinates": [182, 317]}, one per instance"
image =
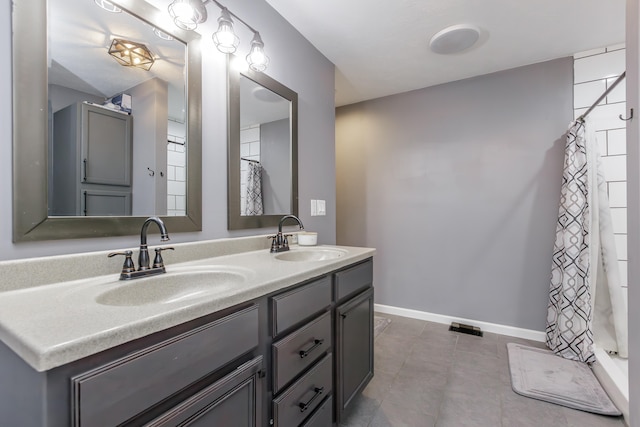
{"type": "Point", "coordinates": [585, 298]}
{"type": "Point", "coordinates": [254, 190]}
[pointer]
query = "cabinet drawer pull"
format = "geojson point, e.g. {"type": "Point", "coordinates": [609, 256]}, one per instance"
{"type": "Point", "coordinates": [84, 173]}
{"type": "Point", "coordinates": [316, 344]}
{"type": "Point", "coordinates": [305, 406]}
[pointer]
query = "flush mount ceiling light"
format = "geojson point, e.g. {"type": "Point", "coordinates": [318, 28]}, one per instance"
{"type": "Point", "coordinates": [454, 39]}
{"type": "Point", "coordinates": [108, 6]}
{"type": "Point", "coordinates": [187, 14]}
{"type": "Point", "coordinates": [131, 54]}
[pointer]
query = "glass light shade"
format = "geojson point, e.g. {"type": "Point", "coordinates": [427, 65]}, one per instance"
{"type": "Point", "coordinates": [256, 58]}
{"type": "Point", "coordinates": [225, 39]}
{"type": "Point", "coordinates": [108, 6]}
{"type": "Point", "coordinates": [187, 14]}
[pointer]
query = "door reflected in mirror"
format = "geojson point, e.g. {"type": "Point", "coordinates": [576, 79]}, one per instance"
{"type": "Point", "coordinates": [114, 157]}
{"type": "Point", "coordinates": [265, 151]}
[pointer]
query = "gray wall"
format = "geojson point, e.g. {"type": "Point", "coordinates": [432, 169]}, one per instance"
{"type": "Point", "coordinates": [457, 186]}
{"type": "Point", "coordinates": [294, 62]}
{"type": "Point", "coordinates": [275, 157]}
{"type": "Point", "coordinates": [633, 198]}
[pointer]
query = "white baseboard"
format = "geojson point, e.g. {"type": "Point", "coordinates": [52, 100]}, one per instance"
{"type": "Point", "coordinates": [613, 380]}
{"type": "Point", "coordinates": [485, 326]}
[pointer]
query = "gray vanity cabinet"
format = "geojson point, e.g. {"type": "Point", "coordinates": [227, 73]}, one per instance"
{"type": "Point", "coordinates": [354, 333]}
{"type": "Point", "coordinates": [92, 161]}
{"type": "Point", "coordinates": [294, 358]}
{"type": "Point", "coordinates": [125, 391]}
{"type": "Point", "coordinates": [302, 374]}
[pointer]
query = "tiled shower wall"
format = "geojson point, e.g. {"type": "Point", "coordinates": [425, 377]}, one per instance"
{"type": "Point", "coordinates": [249, 149]}
{"type": "Point", "coordinates": [176, 169]}
{"type": "Point", "coordinates": [594, 72]}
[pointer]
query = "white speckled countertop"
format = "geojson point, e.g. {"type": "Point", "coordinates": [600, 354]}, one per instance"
{"type": "Point", "coordinates": [50, 324]}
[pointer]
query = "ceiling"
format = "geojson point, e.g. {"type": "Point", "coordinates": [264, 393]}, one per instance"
{"type": "Point", "coordinates": [382, 48]}
{"type": "Point", "coordinates": [79, 59]}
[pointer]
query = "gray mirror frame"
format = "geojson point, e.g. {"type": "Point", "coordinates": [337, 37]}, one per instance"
{"type": "Point", "coordinates": [235, 221]}
{"type": "Point", "coordinates": [30, 129]}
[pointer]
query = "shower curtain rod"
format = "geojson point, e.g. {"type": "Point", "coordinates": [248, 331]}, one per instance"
{"type": "Point", "coordinates": [606, 92]}
{"type": "Point", "coordinates": [249, 160]}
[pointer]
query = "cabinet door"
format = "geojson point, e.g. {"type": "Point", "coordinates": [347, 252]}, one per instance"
{"type": "Point", "coordinates": [106, 146]}
{"type": "Point", "coordinates": [106, 203]}
{"type": "Point", "coordinates": [233, 401]}
{"type": "Point", "coordinates": [354, 348]}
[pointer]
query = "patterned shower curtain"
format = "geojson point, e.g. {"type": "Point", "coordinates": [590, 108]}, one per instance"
{"type": "Point", "coordinates": [585, 293]}
{"type": "Point", "coordinates": [254, 190]}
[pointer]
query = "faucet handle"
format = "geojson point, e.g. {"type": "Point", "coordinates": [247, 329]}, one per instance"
{"type": "Point", "coordinates": [128, 266]}
{"type": "Point", "coordinates": [157, 261]}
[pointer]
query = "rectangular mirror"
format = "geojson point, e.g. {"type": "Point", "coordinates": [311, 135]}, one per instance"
{"type": "Point", "coordinates": [82, 168]}
{"type": "Point", "coordinates": [262, 150]}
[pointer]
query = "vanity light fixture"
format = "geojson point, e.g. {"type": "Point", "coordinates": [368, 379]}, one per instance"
{"type": "Point", "coordinates": [225, 39]}
{"type": "Point", "coordinates": [162, 34]}
{"type": "Point", "coordinates": [131, 54]}
{"type": "Point", "coordinates": [187, 14]}
{"type": "Point", "coordinates": [108, 6]}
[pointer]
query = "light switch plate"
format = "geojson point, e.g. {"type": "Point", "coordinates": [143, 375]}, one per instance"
{"type": "Point", "coordinates": [314, 208]}
{"type": "Point", "coordinates": [322, 207]}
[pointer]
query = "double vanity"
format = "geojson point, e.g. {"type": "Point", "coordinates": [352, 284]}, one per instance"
{"type": "Point", "coordinates": [230, 335]}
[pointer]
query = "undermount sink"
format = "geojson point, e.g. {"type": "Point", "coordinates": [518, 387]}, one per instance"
{"type": "Point", "coordinates": [310, 254]}
{"type": "Point", "coordinates": [172, 287]}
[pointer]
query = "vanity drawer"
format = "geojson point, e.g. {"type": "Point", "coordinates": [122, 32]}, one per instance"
{"type": "Point", "coordinates": [353, 279]}
{"type": "Point", "coordinates": [292, 307]}
{"type": "Point", "coordinates": [298, 350]}
{"type": "Point", "coordinates": [113, 393]}
{"type": "Point", "coordinates": [323, 416]}
{"type": "Point", "coordinates": [299, 400]}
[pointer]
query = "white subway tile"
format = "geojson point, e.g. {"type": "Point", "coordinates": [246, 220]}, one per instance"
{"type": "Point", "coordinates": [250, 134]}
{"type": "Point", "coordinates": [615, 168]}
{"type": "Point", "coordinates": [171, 202]}
{"type": "Point", "coordinates": [176, 159]}
{"type": "Point", "coordinates": [254, 149]}
{"type": "Point", "coordinates": [181, 203]}
{"type": "Point", "coordinates": [585, 94]}
{"type": "Point", "coordinates": [177, 189]}
{"type": "Point", "coordinates": [578, 112]}
{"type": "Point", "coordinates": [605, 117]}
{"type": "Point", "coordinates": [171, 147]}
{"type": "Point", "coordinates": [618, 94]}
{"type": "Point", "coordinates": [171, 173]}
{"type": "Point", "coordinates": [589, 52]}
{"type": "Point", "coordinates": [181, 174]}
{"type": "Point", "coordinates": [622, 267]}
{"type": "Point", "coordinates": [244, 150]}
{"type": "Point", "coordinates": [619, 220]}
{"type": "Point", "coordinates": [599, 66]}
{"type": "Point", "coordinates": [601, 140]}
{"type": "Point", "coordinates": [618, 194]}
{"type": "Point", "coordinates": [180, 148]}
{"type": "Point", "coordinates": [617, 141]}
{"type": "Point", "coordinates": [621, 246]}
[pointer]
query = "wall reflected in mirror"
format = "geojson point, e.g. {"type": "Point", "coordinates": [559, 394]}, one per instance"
{"type": "Point", "coordinates": [265, 151]}
{"type": "Point", "coordinates": [104, 161]}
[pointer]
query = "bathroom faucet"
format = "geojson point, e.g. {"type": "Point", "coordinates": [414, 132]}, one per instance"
{"type": "Point", "coordinates": [280, 243]}
{"type": "Point", "coordinates": [143, 257]}
{"type": "Point", "coordinates": [128, 268]}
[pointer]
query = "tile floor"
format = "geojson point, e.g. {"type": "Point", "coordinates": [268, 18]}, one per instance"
{"type": "Point", "coordinates": [426, 376]}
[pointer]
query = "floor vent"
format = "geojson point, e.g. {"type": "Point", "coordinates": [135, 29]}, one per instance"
{"type": "Point", "coordinates": [465, 329]}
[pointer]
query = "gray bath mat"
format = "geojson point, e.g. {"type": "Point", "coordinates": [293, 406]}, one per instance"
{"type": "Point", "coordinates": [379, 324]}
{"type": "Point", "coordinates": [542, 375]}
